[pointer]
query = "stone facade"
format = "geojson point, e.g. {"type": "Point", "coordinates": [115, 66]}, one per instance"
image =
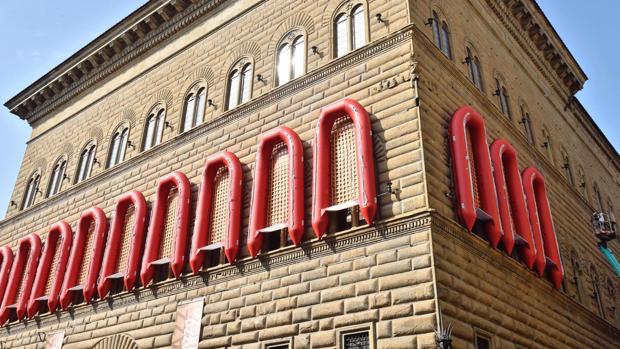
{"type": "Point", "coordinates": [395, 279]}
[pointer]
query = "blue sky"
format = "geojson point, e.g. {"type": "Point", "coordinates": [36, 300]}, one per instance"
{"type": "Point", "coordinates": [37, 35]}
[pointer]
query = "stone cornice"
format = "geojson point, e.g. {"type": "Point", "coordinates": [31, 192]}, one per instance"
{"type": "Point", "coordinates": [273, 96]}
{"type": "Point", "coordinates": [530, 28]}
{"type": "Point", "coordinates": [133, 36]}
{"type": "Point", "coordinates": [313, 249]}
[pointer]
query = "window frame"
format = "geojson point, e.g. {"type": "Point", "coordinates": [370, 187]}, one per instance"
{"type": "Point", "coordinates": [567, 168]}
{"type": "Point", "coordinates": [503, 97]}
{"type": "Point", "coordinates": [289, 40]}
{"type": "Point", "coordinates": [158, 113]}
{"type": "Point", "coordinates": [349, 330]}
{"type": "Point", "coordinates": [474, 69]}
{"type": "Point", "coordinates": [83, 173]}
{"type": "Point", "coordinates": [245, 82]}
{"type": "Point", "coordinates": [478, 333]}
{"type": "Point", "coordinates": [117, 152]}
{"type": "Point", "coordinates": [442, 37]}
{"type": "Point", "coordinates": [348, 10]}
{"type": "Point", "coordinates": [30, 194]}
{"type": "Point", "coordinates": [277, 343]}
{"type": "Point", "coordinates": [56, 182]}
{"type": "Point", "coordinates": [197, 116]}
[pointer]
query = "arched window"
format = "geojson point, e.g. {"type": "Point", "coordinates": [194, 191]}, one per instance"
{"type": "Point", "coordinates": [32, 189]}
{"type": "Point", "coordinates": [526, 121]}
{"type": "Point", "coordinates": [547, 251]}
{"type": "Point", "coordinates": [239, 85]}
{"type": "Point", "coordinates": [167, 234]}
{"type": "Point", "coordinates": [154, 128]}
{"type": "Point", "coordinates": [58, 176]}
{"type": "Point", "coordinates": [441, 34]}
{"type": "Point", "coordinates": [598, 199]}
{"type": "Point", "coordinates": [546, 143]}
{"type": "Point", "coordinates": [473, 68]}
{"type": "Point", "coordinates": [576, 269]}
{"type": "Point", "coordinates": [349, 29]}
{"type": "Point", "coordinates": [343, 176]}
{"type": "Point", "coordinates": [291, 58]}
{"type": "Point", "coordinates": [473, 178]}
{"type": "Point", "coordinates": [278, 194]}
{"type": "Point", "coordinates": [195, 104]}
{"type": "Point", "coordinates": [566, 167]}
{"type": "Point", "coordinates": [118, 146]}
{"type": "Point", "coordinates": [596, 291]}
{"type": "Point", "coordinates": [502, 96]}
{"type": "Point", "coordinates": [583, 187]}
{"type": "Point", "coordinates": [85, 164]}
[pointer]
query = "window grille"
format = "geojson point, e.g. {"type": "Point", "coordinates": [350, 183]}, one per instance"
{"type": "Point", "coordinates": [358, 340]}
{"type": "Point", "coordinates": [219, 212]}
{"type": "Point", "coordinates": [344, 179]}
{"type": "Point", "coordinates": [278, 186]}
{"type": "Point", "coordinates": [168, 231]}
{"type": "Point", "coordinates": [125, 240]}
{"type": "Point", "coordinates": [53, 266]}
{"type": "Point", "coordinates": [87, 254]}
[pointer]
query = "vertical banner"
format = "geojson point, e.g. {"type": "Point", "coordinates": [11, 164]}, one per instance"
{"type": "Point", "coordinates": [187, 325]}
{"type": "Point", "coordinates": [54, 340]}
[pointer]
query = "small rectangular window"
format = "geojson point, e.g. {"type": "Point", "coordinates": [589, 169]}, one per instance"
{"type": "Point", "coordinates": [356, 340]}
{"type": "Point", "coordinates": [482, 342]}
{"type": "Point", "coordinates": [277, 346]}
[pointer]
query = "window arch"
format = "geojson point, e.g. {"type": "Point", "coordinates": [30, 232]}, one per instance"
{"type": "Point", "coordinates": [526, 122]}
{"type": "Point", "coordinates": [547, 251]}
{"type": "Point", "coordinates": [218, 214]}
{"type": "Point", "coordinates": [58, 176]}
{"type": "Point", "coordinates": [576, 270]}
{"type": "Point", "coordinates": [349, 28]}
{"type": "Point", "coordinates": [51, 270]}
{"type": "Point", "coordinates": [167, 234]}
{"type": "Point", "coordinates": [502, 96]}
{"type": "Point", "coordinates": [566, 167]}
{"type": "Point", "coordinates": [85, 258]}
{"type": "Point", "coordinates": [511, 201]}
{"type": "Point", "coordinates": [291, 57]}
{"type": "Point", "coordinates": [583, 186]}
{"type": "Point", "coordinates": [611, 297]}
{"type": "Point", "coordinates": [21, 278]}
{"type": "Point", "coordinates": [598, 199]}
{"type": "Point", "coordinates": [32, 189]}
{"type": "Point", "coordinates": [124, 243]}
{"type": "Point", "coordinates": [351, 180]}
{"type": "Point", "coordinates": [86, 161]}
{"type": "Point", "coordinates": [239, 85]}
{"type": "Point", "coordinates": [278, 192]}
{"type": "Point", "coordinates": [441, 35]}
{"type": "Point", "coordinates": [118, 146]}
{"type": "Point", "coordinates": [546, 138]}
{"type": "Point", "coordinates": [474, 69]}
{"type": "Point", "coordinates": [473, 179]}
{"type": "Point", "coordinates": [154, 128]}
{"type": "Point", "coordinates": [596, 291]}
{"type": "Point", "coordinates": [194, 108]}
